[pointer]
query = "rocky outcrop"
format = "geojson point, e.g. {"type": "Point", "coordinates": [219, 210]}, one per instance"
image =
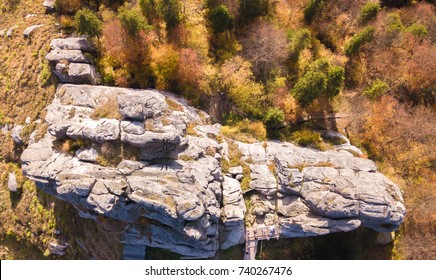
{"type": "Point", "coordinates": [72, 64]}
{"type": "Point", "coordinates": [167, 184]}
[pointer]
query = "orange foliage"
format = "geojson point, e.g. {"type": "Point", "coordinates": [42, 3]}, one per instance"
{"type": "Point", "coordinates": [129, 57]}
{"type": "Point", "coordinates": [189, 70]}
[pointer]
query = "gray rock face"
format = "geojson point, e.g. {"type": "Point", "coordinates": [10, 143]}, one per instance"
{"type": "Point", "coordinates": [77, 73]}
{"type": "Point", "coordinates": [12, 182]}
{"type": "Point", "coordinates": [73, 43]}
{"type": "Point", "coordinates": [77, 56]}
{"type": "Point", "coordinates": [168, 187]}
{"type": "Point", "coordinates": [71, 63]}
{"type": "Point", "coordinates": [29, 30]}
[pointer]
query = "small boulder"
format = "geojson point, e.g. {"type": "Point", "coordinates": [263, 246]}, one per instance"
{"type": "Point", "coordinates": [10, 31]}
{"type": "Point", "coordinates": [57, 249]}
{"type": "Point", "coordinates": [16, 134]}
{"type": "Point", "coordinates": [384, 238]}
{"type": "Point", "coordinates": [2, 33]}
{"type": "Point", "coordinates": [234, 171]}
{"type": "Point", "coordinates": [88, 155]}
{"type": "Point", "coordinates": [29, 30]}
{"type": "Point", "coordinates": [12, 182]}
{"type": "Point", "coordinates": [31, 16]}
{"type": "Point", "coordinates": [49, 5]}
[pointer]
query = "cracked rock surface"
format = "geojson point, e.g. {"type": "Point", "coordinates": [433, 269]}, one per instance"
{"type": "Point", "coordinates": [168, 186]}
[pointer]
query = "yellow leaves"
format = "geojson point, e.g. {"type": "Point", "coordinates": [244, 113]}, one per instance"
{"type": "Point", "coordinates": [246, 131]}
{"type": "Point", "coordinates": [237, 77]}
{"type": "Point", "coordinates": [164, 61]}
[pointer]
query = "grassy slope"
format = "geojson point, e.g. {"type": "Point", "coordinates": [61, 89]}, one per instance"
{"type": "Point", "coordinates": [28, 219]}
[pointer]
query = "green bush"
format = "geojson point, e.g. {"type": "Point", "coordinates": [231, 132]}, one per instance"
{"type": "Point", "coordinates": [320, 79]}
{"type": "Point", "coordinates": [418, 30]}
{"type": "Point", "coordinates": [273, 118]}
{"type": "Point", "coordinates": [132, 21]}
{"type": "Point", "coordinates": [335, 81]}
{"type": "Point", "coordinates": [394, 23]}
{"type": "Point", "coordinates": [221, 19]}
{"type": "Point", "coordinates": [249, 10]}
{"type": "Point", "coordinates": [300, 40]}
{"type": "Point", "coordinates": [169, 10]}
{"type": "Point", "coordinates": [369, 11]}
{"type": "Point", "coordinates": [360, 39]}
{"type": "Point", "coordinates": [312, 8]}
{"type": "Point", "coordinates": [376, 89]}
{"type": "Point", "coordinates": [87, 22]}
{"type": "Point", "coordinates": [309, 87]}
{"type": "Point", "coordinates": [148, 8]}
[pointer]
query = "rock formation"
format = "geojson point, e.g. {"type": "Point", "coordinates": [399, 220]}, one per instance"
{"type": "Point", "coordinates": [154, 163]}
{"type": "Point", "coordinates": [72, 64]}
{"type": "Point", "coordinates": [168, 185]}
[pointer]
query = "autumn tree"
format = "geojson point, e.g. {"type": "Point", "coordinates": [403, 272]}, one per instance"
{"type": "Point", "coordinates": [238, 80]}
{"type": "Point", "coordinates": [266, 47]}
{"type": "Point", "coordinates": [125, 59]}
{"type": "Point", "coordinates": [164, 62]}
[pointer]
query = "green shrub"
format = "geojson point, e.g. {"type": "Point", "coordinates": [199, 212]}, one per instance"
{"type": "Point", "coordinates": [320, 79]}
{"type": "Point", "coordinates": [132, 21]}
{"type": "Point", "coordinates": [307, 137]}
{"type": "Point", "coordinates": [394, 23]}
{"type": "Point", "coordinates": [249, 10]}
{"type": "Point", "coordinates": [360, 39]}
{"type": "Point", "coordinates": [169, 10]}
{"type": "Point", "coordinates": [300, 40]}
{"type": "Point", "coordinates": [87, 22]}
{"type": "Point", "coordinates": [369, 11]}
{"type": "Point", "coordinates": [273, 118]}
{"type": "Point", "coordinates": [335, 81]}
{"type": "Point", "coordinates": [309, 87]}
{"type": "Point", "coordinates": [312, 8]}
{"type": "Point", "coordinates": [376, 89]}
{"type": "Point", "coordinates": [418, 30]}
{"type": "Point", "coordinates": [221, 19]}
{"type": "Point", "coordinates": [148, 9]}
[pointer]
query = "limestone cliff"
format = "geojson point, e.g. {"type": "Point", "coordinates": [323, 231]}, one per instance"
{"type": "Point", "coordinates": [163, 174]}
